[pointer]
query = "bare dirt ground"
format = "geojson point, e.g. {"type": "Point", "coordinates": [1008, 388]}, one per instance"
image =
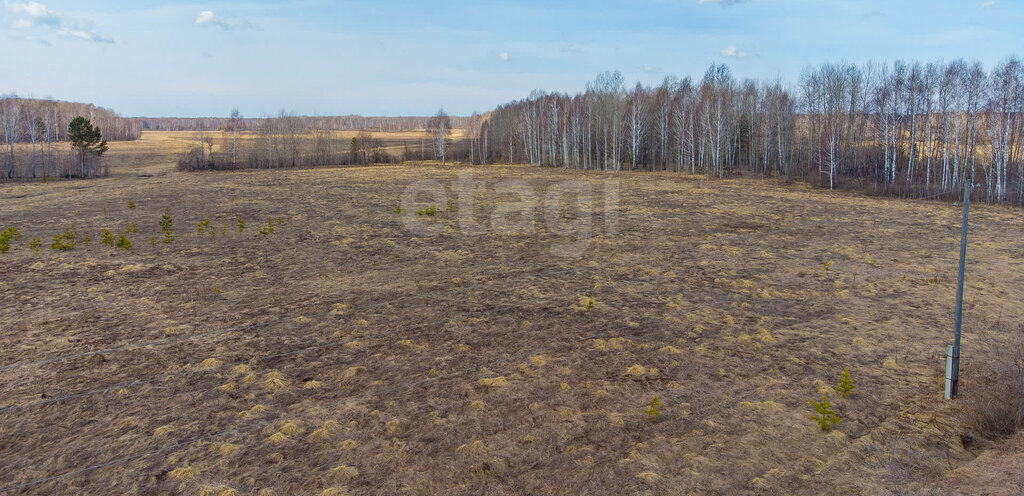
{"type": "Point", "coordinates": [344, 353]}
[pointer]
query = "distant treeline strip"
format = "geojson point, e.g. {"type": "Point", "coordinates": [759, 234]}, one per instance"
{"type": "Point", "coordinates": [323, 123]}
{"type": "Point", "coordinates": [906, 128]}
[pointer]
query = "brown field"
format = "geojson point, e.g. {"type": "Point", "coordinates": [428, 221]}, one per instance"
{"type": "Point", "coordinates": [344, 354]}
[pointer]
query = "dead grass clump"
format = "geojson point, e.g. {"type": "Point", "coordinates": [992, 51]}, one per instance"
{"type": "Point", "coordinates": [329, 430]}
{"type": "Point", "coordinates": [274, 381]}
{"type": "Point", "coordinates": [334, 491]}
{"type": "Point", "coordinates": [183, 474]}
{"type": "Point", "coordinates": [278, 438]}
{"type": "Point", "coordinates": [611, 344]}
{"type": "Point", "coordinates": [291, 427]}
{"type": "Point", "coordinates": [344, 473]}
{"type": "Point", "coordinates": [162, 430]}
{"type": "Point", "coordinates": [227, 449]}
{"type": "Point", "coordinates": [217, 491]}
{"type": "Point", "coordinates": [538, 360]}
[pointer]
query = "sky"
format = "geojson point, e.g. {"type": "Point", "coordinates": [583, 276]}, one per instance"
{"type": "Point", "coordinates": [387, 57]}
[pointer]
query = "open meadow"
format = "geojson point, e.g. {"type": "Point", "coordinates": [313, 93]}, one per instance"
{"type": "Point", "coordinates": [315, 337]}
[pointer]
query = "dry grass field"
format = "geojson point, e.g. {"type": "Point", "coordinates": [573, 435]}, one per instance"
{"type": "Point", "coordinates": [344, 353]}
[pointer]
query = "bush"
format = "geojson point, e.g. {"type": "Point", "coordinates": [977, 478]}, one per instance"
{"type": "Point", "coordinates": [123, 242]}
{"type": "Point", "coordinates": [652, 408]}
{"type": "Point", "coordinates": [35, 243]}
{"type": "Point", "coordinates": [107, 239]}
{"type": "Point", "coordinates": [267, 229]}
{"type": "Point", "coordinates": [6, 236]}
{"type": "Point", "coordinates": [66, 240]}
{"type": "Point", "coordinates": [993, 389]}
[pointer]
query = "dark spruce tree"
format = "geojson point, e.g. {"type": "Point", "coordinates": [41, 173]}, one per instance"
{"type": "Point", "coordinates": [87, 140]}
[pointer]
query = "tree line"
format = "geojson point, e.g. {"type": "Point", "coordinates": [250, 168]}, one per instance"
{"type": "Point", "coordinates": [331, 123]}
{"type": "Point", "coordinates": [906, 128]}
{"type": "Point", "coordinates": [31, 129]}
{"type": "Point", "coordinates": [292, 141]}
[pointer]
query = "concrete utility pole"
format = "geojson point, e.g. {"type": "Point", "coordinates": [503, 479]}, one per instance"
{"type": "Point", "coordinates": [953, 352]}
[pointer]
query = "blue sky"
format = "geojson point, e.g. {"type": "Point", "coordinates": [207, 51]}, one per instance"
{"type": "Point", "coordinates": [158, 58]}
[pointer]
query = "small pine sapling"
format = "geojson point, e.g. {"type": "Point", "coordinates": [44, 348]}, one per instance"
{"type": "Point", "coordinates": [6, 236]}
{"type": "Point", "coordinates": [66, 240]}
{"type": "Point", "coordinates": [167, 226]}
{"type": "Point", "coordinates": [123, 242]}
{"type": "Point", "coordinates": [846, 383]}
{"type": "Point", "coordinates": [652, 408]}
{"type": "Point", "coordinates": [826, 417]}
{"type": "Point", "coordinates": [108, 238]}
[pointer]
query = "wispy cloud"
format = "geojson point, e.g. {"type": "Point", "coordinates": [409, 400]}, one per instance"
{"type": "Point", "coordinates": [83, 34]}
{"type": "Point", "coordinates": [31, 14]}
{"type": "Point", "coordinates": [207, 18]}
{"type": "Point", "coordinates": [988, 4]}
{"type": "Point", "coordinates": [723, 3]}
{"type": "Point", "coordinates": [733, 53]}
{"type": "Point", "coordinates": [503, 56]}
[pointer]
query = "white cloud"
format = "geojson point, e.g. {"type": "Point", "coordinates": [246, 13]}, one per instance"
{"type": "Point", "coordinates": [208, 18]}
{"type": "Point", "coordinates": [83, 34]}
{"type": "Point", "coordinates": [503, 56]}
{"type": "Point", "coordinates": [988, 4]}
{"type": "Point", "coordinates": [32, 13]}
{"type": "Point", "coordinates": [205, 17]}
{"type": "Point", "coordinates": [732, 52]}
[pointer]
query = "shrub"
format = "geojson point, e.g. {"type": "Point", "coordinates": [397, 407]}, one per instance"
{"type": "Point", "coordinates": [241, 224]}
{"type": "Point", "coordinates": [35, 243]}
{"type": "Point", "coordinates": [131, 205]}
{"type": "Point", "coordinates": [66, 240]}
{"type": "Point", "coordinates": [652, 408]}
{"type": "Point", "coordinates": [267, 229]}
{"type": "Point", "coordinates": [123, 242]}
{"type": "Point", "coordinates": [167, 226]}
{"type": "Point", "coordinates": [845, 386]}
{"type": "Point", "coordinates": [993, 388]}
{"type": "Point", "coordinates": [826, 417]}
{"type": "Point", "coordinates": [108, 239]}
{"type": "Point", "coordinates": [6, 236]}
{"type": "Point", "coordinates": [202, 225]}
